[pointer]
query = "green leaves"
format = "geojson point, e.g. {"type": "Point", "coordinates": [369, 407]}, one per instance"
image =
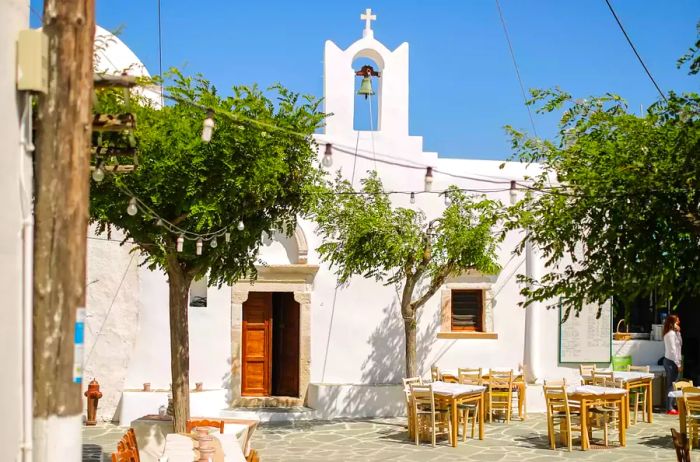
{"type": "Point", "coordinates": [251, 171]}
{"type": "Point", "coordinates": [613, 209]}
{"type": "Point", "coordinates": [365, 235]}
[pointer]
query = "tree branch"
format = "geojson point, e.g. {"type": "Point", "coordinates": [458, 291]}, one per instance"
{"type": "Point", "coordinates": [435, 284]}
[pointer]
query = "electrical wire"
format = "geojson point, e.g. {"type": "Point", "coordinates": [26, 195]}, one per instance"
{"type": "Point", "coordinates": [641, 61]}
{"type": "Point", "coordinates": [517, 69]}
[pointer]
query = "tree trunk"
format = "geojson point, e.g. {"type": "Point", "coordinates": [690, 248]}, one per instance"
{"type": "Point", "coordinates": [61, 219]}
{"type": "Point", "coordinates": [179, 284]}
{"type": "Point", "coordinates": [409, 325]}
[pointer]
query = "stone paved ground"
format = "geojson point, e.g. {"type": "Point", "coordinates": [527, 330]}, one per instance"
{"type": "Point", "coordinates": [386, 439]}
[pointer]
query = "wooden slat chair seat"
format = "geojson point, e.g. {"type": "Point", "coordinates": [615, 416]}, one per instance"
{"type": "Point", "coordinates": [192, 424]}
{"type": "Point", "coordinates": [680, 443]}
{"type": "Point", "coordinates": [691, 396]}
{"type": "Point", "coordinates": [127, 448]}
{"type": "Point", "coordinates": [500, 393]}
{"type": "Point", "coordinates": [559, 411]}
{"type": "Point", "coordinates": [424, 408]}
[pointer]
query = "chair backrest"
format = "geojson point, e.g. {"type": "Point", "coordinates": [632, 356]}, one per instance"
{"type": "Point", "coordinates": [586, 369]}
{"type": "Point", "coordinates": [554, 383]}
{"type": "Point", "coordinates": [681, 384]}
{"type": "Point", "coordinates": [191, 424]}
{"type": "Point", "coordinates": [631, 368]}
{"type": "Point", "coordinates": [407, 382]}
{"type": "Point", "coordinates": [556, 398]}
{"type": "Point", "coordinates": [422, 394]}
{"type": "Point", "coordinates": [470, 375]}
{"type": "Point", "coordinates": [602, 378]}
{"type": "Point", "coordinates": [500, 382]}
{"type": "Point", "coordinates": [680, 442]}
{"type": "Point", "coordinates": [434, 373]}
{"type": "Point", "coordinates": [127, 449]}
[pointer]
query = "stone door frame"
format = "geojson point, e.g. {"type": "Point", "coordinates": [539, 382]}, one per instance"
{"type": "Point", "coordinates": [274, 278]}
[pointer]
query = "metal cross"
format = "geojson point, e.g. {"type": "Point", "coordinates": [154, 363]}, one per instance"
{"type": "Point", "coordinates": [368, 17]}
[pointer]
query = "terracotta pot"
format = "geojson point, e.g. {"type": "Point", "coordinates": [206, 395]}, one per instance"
{"type": "Point", "coordinates": [147, 386]}
{"type": "Point", "coordinates": [198, 386]}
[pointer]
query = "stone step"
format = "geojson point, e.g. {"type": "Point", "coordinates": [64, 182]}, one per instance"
{"type": "Point", "coordinates": [271, 414]}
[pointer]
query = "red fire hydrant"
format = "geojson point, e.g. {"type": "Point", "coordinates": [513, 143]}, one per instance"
{"type": "Point", "coordinates": [93, 395]}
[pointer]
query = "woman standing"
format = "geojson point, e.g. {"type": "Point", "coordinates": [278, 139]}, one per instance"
{"type": "Point", "coordinates": [672, 356]}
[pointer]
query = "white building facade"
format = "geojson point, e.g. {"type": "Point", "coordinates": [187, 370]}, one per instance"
{"type": "Point", "coordinates": [347, 352]}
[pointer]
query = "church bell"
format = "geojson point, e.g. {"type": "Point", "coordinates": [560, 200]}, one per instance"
{"type": "Point", "coordinates": [366, 87]}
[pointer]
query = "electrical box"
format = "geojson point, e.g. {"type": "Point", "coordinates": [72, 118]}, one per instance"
{"type": "Point", "coordinates": [33, 61]}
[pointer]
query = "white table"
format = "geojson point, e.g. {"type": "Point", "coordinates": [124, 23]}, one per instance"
{"type": "Point", "coordinates": [636, 380]}
{"type": "Point", "coordinates": [180, 448]}
{"type": "Point", "coordinates": [457, 393]}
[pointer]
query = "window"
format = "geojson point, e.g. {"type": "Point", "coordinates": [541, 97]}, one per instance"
{"type": "Point", "coordinates": [467, 310]}
{"type": "Point", "coordinates": [198, 292]}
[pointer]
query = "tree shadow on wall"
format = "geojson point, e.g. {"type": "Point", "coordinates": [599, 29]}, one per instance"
{"type": "Point", "coordinates": [384, 367]}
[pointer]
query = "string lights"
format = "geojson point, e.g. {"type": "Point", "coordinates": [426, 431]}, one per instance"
{"type": "Point", "coordinates": [208, 126]}
{"type": "Point", "coordinates": [328, 156]}
{"type": "Point", "coordinates": [98, 174]}
{"type": "Point", "coordinates": [428, 179]}
{"type": "Point", "coordinates": [413, 197]}
{"type": "Point", "coordinates": [132, 209]}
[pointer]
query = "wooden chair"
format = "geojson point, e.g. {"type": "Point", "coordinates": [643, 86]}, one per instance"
{"type": "Point", "coordinates": [127, 448]}
{"type": "Point", "coordinates": [691, 396]}
{"type": "Point", "coordinates": [680, 442]}
{"type": "Point", "coordinates": [407, 382]}
{"type": "Point", "coordinates": [681, 384]}
{"type": "Point", "coordinates": [603, 413]}
{"type": "Point", "coordinates": [500, 393]}
{"type": "Point", "coordinates": [469, 376]}
{"type": "Point", "coordinates": [435, 373]}
{"type": "Point", "coordinates": [602, 378]}
{"type": "Point", "coordinates": [586, 370]}
{"type": "Point", "coordinates": [558, 410]}
{"type": "Point", "coordinates": [191, 424]}
{"type": "Point", "coordinates": [423, 400]}
{"type": "Point", "coordinates": [638, 395]}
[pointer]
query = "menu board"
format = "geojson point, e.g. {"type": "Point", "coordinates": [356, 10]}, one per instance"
{"type": "Point", "coordinates": [586, 338]}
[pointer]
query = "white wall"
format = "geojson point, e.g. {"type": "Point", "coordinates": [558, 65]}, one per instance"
{"type": "Point", "coordinates": [14, 16]}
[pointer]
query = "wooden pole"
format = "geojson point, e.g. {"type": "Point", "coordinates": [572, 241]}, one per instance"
{"type": "Point", "coordinates": [61, 219]}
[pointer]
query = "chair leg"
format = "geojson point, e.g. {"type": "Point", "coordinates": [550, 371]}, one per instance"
{"type": "Point", "coordinates": [465, 417]}
{"type": "Point", "coordinates": [474, 418]}
{"type": "Point", "coordinates": [416, 420]}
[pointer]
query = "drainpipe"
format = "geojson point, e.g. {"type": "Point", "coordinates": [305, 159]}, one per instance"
{"type": "Point", "coordinates": [26, 149]}
{"type": "Point", "coordinates": [533, 319]}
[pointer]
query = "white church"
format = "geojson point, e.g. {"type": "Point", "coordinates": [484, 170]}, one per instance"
{"type": "Point", "coordinates": [332, 351]}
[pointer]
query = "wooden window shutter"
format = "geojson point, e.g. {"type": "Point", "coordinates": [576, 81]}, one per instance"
{"type": "Point", "coordinates": [467, 310]}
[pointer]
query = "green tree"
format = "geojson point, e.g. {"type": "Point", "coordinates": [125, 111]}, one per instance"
{"type": "Point", "coordinates": [260, 174]}
{"type": "Point", "coordinates": [364, 235]}
{"type": "Point", "coordinates": [616, 207]}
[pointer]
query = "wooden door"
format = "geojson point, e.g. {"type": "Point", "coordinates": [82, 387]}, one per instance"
{"type": "Point", "coordinates": [257, 344]}
{"type": "Point", "coordinates": [286, 345]}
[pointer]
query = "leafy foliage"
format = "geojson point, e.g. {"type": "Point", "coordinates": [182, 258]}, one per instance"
{"type": "Point", "coordinates": [616, 208]}
{"type": "Point", "coordinates": [692, 56]}
{"type": "Point", "coordinates": [260, 176]}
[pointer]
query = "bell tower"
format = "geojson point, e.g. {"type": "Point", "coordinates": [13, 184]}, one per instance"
{"type": "Point", "coordinates": [391, 86]}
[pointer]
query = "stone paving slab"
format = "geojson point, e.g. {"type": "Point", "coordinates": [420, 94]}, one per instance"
{"type": "Point", "coordinates": [387, 440]}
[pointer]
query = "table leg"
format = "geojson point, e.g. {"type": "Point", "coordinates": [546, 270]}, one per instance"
{"type": "Point", "coordinates": [584, 425]}
{"type": "Point", "coordinates": [521, 397]}
{"type": "Point", "coordinates": [681, 414]}
{"type": "Point", "coordinates": [453, 408]}
{"type": "Point", "coordinates": [650, 400]}
{"type": "Point", "coordinates": [625, 411]}
{"type": "Point", "coordinates": [622, 429]}
{"type": "Point", "coordinates": [482, 400]}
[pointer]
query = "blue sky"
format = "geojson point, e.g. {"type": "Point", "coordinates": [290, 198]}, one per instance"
{"type": "Point", "coordinates": [462, 81]}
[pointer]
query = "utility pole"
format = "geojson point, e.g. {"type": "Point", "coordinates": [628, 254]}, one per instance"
{"type": "Point", "coordinates": [61, 220]}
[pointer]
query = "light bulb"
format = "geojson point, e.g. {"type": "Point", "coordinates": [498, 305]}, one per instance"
{"type": "Point", "coordinates": [240, 226]}
{"type": "Point", "coordinates": [213, 243]}
{"type": "Point", "coordinates": [413, 198]}
{"type": "Point", "coordinates": [159, 222]}
{"type": "Point", "coordinates": [208, 126]}
{"type": "Point", "coordinates": [428, 179]}
{"type": "Point", "coordinates": [132, 209]}
{"type": "Point", "coordinates": [180, 242]}
{"type": "Point", "coordinates": [98, 174]}
{"type": "Point", "coordinates": [198, 250]}
{"type": "Point", "coordinates": [448, 201]}
{"type": "Point", "coordinates": [513, 193]}
{"type": "Point", "coordinates": [227, 237]}
{"type": "Point", "coordinates": [327, 156]}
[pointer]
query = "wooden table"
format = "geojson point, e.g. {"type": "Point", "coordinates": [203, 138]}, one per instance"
{"type": "Point", "coordinates": [591, 394]}
{"type": "Point", "coordinates": [629, 380]}
{"type": "Point", "coordinates": [518, 381]}
{"type": "Point", "coordinates": [455, 394]}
